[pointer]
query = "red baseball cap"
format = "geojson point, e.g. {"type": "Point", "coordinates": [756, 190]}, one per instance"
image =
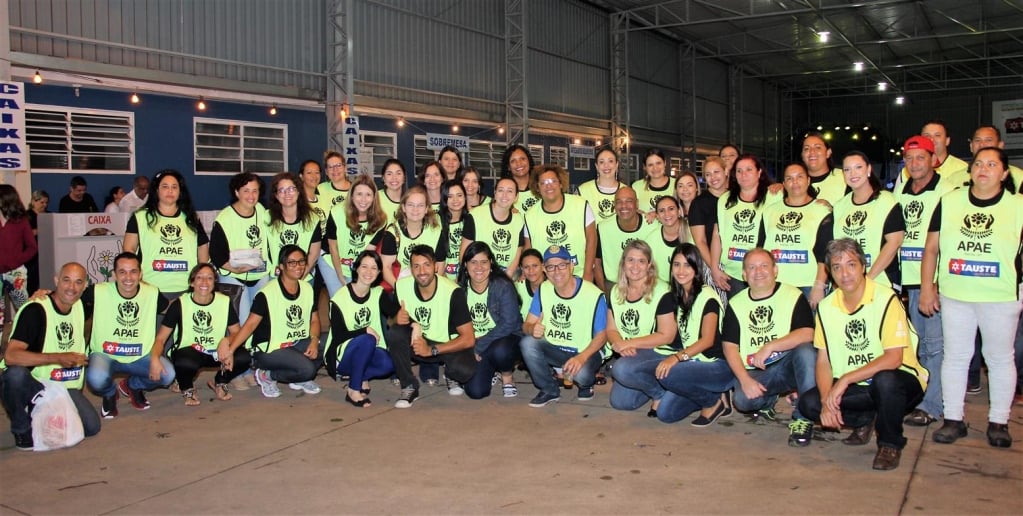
{"type": "Point", "coordinates": [918, 142]}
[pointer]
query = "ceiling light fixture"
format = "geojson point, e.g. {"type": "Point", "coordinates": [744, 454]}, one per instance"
{"type": "Point", "coordinates": [134, 99]}
{"type": "Point", "coordinates": [900, 100]}
{"type": "Point", "coordinates": [201, 105]}
{"type": "Point", "coordinates": [823, 36]}
{"type": "Point", "coordinates": [577, 141]}
{"type": "Point", "coordinates": [882, 86]}
{"type": "Point", "coordinates": [454, 128]}
{"type": "Point", "coordinates": [500, 129]}
{"type": "Point", "coordinates": [401, 122]}
{"type": "Point", "coordinates": [858, 66]}
{"type": "Point", "coordinates": [37, 78]}
{"type": "Point", "coordinates": [273, 110]}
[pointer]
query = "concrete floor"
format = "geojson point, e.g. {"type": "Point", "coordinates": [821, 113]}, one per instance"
{"type": "Point", "coordinates": [303, 454]}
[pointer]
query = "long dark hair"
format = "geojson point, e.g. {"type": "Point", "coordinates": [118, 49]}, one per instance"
{"type": "Point", "coordinates": [10, 203]}
{"type": "Point", "coordinates": [445, 189]}
{"type": "Point", "coordinates": [872, 179]}
{"type": "Point", "coordinates": [1003, 158]}
{"type": "Point", "coordinates": [305, 212]}
{"type": "Point", "coordinates": [506, 158]}
{"type": "Point", "coordinates": [682, 298]}
{"type": "Point", "coordinates": [369, 253]}
{"type": "Point", "coordinates": [184, 201]}
{"type": "Point", "coordinates": [762, 184]}
{"type": "Point", "coordinates": [496, 274]}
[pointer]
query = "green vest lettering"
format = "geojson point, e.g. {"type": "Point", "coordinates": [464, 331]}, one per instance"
{"type": "Point", "coordinates": [289, 319]}
{"type": "Point", "coordinates": [791, 232]}
{"type": "Point", "coordinates": [203, 326]}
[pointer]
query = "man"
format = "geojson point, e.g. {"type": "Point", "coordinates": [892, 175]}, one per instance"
{"type": "Point", "coordinates": [433, 326]}
{"type": "Point", "coordinates": [951, 169]}
{"type": "Point", "coordinates": [766, 332]}
{"type": "Point", "coordinates": [124, 338]}
{"type": "Point", "coordinates": [867, 373]}
{"type": "Point", "coordinates": [77, 200]}
{"type": "Point", "coordinates": [137, 197]}
{"type": "Point", "coordinates": [918, 197]}
{"type": "Point", "coordinates": [48, 343]}
{"type": "Point", "coordinates": [614, 234]}
{"type": "Point", "coordinates": [566, 327]}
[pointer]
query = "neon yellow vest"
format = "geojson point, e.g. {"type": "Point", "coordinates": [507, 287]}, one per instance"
{"type": "Point", "coordinates": [282, 234]}
{"type": "Point", "coordinates": [502, 237]}
{"type": "Point", "coordinates": [763, 320]}
{"type": "Point", "coordinates": [64, 333]}
{"type": "Point", "coordinates": [791, 233]}
{"type": "Point", "coordinates": [738, 228]}
{"type": "Point", "coordinates": [917, 210]}
{"type": "Point", "coordinates": [454, 246]}
{"type": "Point", "coordinates": [978, 248]}
{"type": "Point", "coordinates": [638, 318]}
{"type": "Point", "coordinates": [125, 328]}
{"type": "Point", "coordinates": [322, 211]}
{"type": "Point", "coordinates": [526, 200]}
{"type": "Point", "coordinates": [390, 207]}
{"type": "Point", "coordinates": [647, 196]}
{"type": "Point", "coordinates": [524, 296]}
{"type": "Point", "coordinates": [832, 187]}
{"type": "Point", "coordinates": [289, 320]}
{"type": "Point", "coordinates": [563, 228]}
{"type": "Point", "coordinates": [482, 322]}
{"type": "Point", "coordinates": [602, 204]}
{"type": "Point", "coordinates": [431, 314]}
{"type": "Point", "coordinates": [568, 322]}
{"type": "Point", "coordinates": [613, 239]}
{"type": "Point", "coordinates": [430, 235]}
{"type": "Point", "coordinates": [357, 315]}
{"type": "Point", "coordinates": [170, 249]}
{"type": "Point", "coordinates": [864, 223]}
{"type": "Point", "coordinates": [203, 326]}
{"type": "Point", "coordinates": [245, 233]}
{"type": "Point", "coordinates": [662, 251]}
{"type": "Point", "coordinates": [330, 196]}
{"type": "Point", "coordinates": [349, 243]}
{"type": "Point", "coordinates": [689, 328]}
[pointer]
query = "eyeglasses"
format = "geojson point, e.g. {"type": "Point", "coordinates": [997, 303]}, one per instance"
{"type": "Point", "coordinates": [557, 266]}
{"type": "Point", "coordinates": [287, 190]}
{"type": "Point", "coordinates": [294, 263]}
{"type": "Point", "coordinates": [546, 182]}
{"type": "Point", "coordinates": [335, 165]}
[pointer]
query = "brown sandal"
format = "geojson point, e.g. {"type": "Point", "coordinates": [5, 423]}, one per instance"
{"type": "Point", "coordinates": [190, 399]}
{"type": "Point", "coordinates": [220, 389]}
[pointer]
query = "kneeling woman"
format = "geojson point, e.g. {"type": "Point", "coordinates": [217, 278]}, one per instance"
{"type": "Point", "coordinates": [495, 319]}
{"type": "Point", "coordinates": [356, 345]}
{"type": "Point", "coordinates": [695, 375]}
{"type": "Point", "coordinates": [640, 321]}
{"type": "Point", "coordinates": [284, 329]}
{"type": "Point", "coordinates": [203, 323]}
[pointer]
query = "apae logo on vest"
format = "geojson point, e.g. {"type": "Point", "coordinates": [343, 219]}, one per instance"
{"type": "Point", "coordinates": [529, 202]}
{"type": "Point", "coordinates": [856, 335]}
{"type": "Point", "coordinates": [789, 221]}
{"type": "Point", "coordinates": [912, 212]}
{"type": "Point", "coordinates": [362, 318]}
{"type": "Point", "coordinates": [289, 237]}
{"type": "Point", "coordinates": [855, 222]}
{"type": "Point", "coordinates": [761, 319]}
{"type": "Point", "coordinates": [422, 316]}
{"type": "Point", "coordinates": [556, 232]}
{"type": "Point", "coordinates": [561, 315]}
{"type": "Point", "coordinates": [480, 317]}
{"type": "Point", "coordinates": [977, 225]}
{"type": "Point", "coordinates": [605, 207]}
{"type": "Point", "coordinates": [170, 234]}
{"type": "Point", "coordinates": [502, 240]}
{"type": "Point", "coordinates": [294, 315]}
{"type": "Point", "coordinates": [743, 220]}
{"type": "Point", "coordinates": [202, 323]}
{"type": "Point", "coordinates": [254, 236]}
{"type": "Point", "coordinates": [128, 313]}
{"type": "Point", "coordinates": [65, 335]}
{"type": "Point", "coordinates": [630, 322]}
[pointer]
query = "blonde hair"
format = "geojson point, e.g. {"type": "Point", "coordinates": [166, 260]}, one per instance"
{"type": "Point", "coordinates": [431, 219]}
{"type": "Point", "coordinates": [620, 289]}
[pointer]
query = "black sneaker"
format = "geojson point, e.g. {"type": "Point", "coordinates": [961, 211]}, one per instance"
{"type": "Point", "coordinates": [950, 431]}
{"type": "Point", "coordinates": [135, 396]}
{"type": "Point", "coordinates": [23, 441]}
{"type": "Point", "coordinates": [409, 395]}
{"type": "Point", "coordinates": [800, 432]}
{"type": "Point", "coordinates": [998, 435]}
{"type": "Point", "coordinates": [109, 408]}
{"type": "Point", "coordinates": [542, 399]}
{"type": "Point", "coordinates": [585, 394]}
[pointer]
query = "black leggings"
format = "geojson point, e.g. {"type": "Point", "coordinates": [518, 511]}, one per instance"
{"type": "Point", "coordinates": [188, 362]}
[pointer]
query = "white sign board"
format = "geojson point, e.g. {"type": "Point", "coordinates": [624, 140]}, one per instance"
{"type": "Point", "coordinates": [580, 151]}
{"type": "Point", "coordinates": [13, 147]}
{"type": "Point", "coordinates": [351, 146]}
{"type": "Point", "coordinates": [1007, 116]}
{"type": "Point", "coordinates": [437, 142]}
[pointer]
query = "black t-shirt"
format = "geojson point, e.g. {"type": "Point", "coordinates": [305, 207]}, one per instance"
{"type": "Point", "coordinates": [339, 328]}
{"type": "Point", "coordinates": [133, 228]}
{"type": "Point", "coordinates": [802, 317]}
{"type": "Point", "coordinates": [31, 327]}
{"type": "Point", "coordinates": [703, 211]}
{"type": "Point", "coordinates": [69, 205]}
{"type": "Point", "coordinates": [260, 308]}
{"type": "Point", "coordinates": [172, 319]}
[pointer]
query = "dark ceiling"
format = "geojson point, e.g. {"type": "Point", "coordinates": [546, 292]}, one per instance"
{"type": "Point", "coordinates": [913, 46]}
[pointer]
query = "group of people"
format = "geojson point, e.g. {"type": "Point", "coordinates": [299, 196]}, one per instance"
{"type": "Point", "coordinates": [708, 302]}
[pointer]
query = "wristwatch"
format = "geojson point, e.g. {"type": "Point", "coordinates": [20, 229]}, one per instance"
{"type": "Point", "coordinates": [433, 351]}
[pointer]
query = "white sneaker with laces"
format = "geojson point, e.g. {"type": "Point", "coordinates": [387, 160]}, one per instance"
{"type": "Point", "coordinates": [267, 385]}
{"type": "Point", "coordinates": [309, 387]}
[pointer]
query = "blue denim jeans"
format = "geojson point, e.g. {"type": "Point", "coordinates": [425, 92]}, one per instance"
{"type": "Point", "coordinates": [18, 387]}
{"type": "Point", "coordinates": [635, 382]}
{"type": "Point", "coordinates": [692, 386]}
{"type": "Point", "coordinates": [288, 365]}
{"type": "Point", "coordinates": [795, 371]}
{"type": "Point", "coordinates": [329, 275]}
{"type": "Point", "coordinates": [540, 356]}
{"type": "Point", "coordinates": [248, 294]}
{"type": "Point", "coordinates": [364, 361]}
{"type": "Point", "coordinates": [930, 351]}
{"type": "Point", "coordinates": [499, 357]}
{"type": "Point", "coordinates": [102, 369]}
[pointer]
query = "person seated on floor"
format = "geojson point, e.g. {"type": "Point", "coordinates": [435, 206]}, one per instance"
{"type": "Point", "coordinates": [767, 331]}
{"type": "Point", "coordinates": [48, 343]}
{"type": "Point", "coordinates": [355, 343]}
{"type": "Point", "coordinates": [284, 327]}
{"type": "Point", "coordinates": [640, 325]}
{"type": "Point", "coordinates": [868, 375]}
{"type": "Point", "coordinates": [203, 322]}
{"type": "Point", "coordinates": [124, 342]}
{"type": "Point", "coordinates": [496, 320]}
{"type": "Point", "coordinates": [433, 327]}
{"type": "Point", "coordinates": [566, 327]}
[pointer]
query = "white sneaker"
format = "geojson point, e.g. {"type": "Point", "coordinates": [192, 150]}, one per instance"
{"type": "Point", "coordinates": [453, 388]}
{"type": "Point", "coordinates": [309, 387]}
{"type": "Point", "coordinates": [266, 384]}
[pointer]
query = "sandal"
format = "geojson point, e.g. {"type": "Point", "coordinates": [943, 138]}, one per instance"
{"type": "Point", "coordinates": [174, 387]}
{"type": "Point", "coordinates": [220, 389]}
{"type": "Point", "coordinates": [190, 399]}
{"type": "Point", "coordinates": [363, 403]}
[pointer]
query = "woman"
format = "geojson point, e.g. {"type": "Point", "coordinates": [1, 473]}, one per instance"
{"type": "Point", "coordinates": [354, 226]}
{"type": "Point", "coordinates": [112, 200]}
{"type": "Point", "coordinates": [640, 318]}
{"type": "Point", "coordinates": [452, 217]}
{"type": "Point", "coordinates": [238, 240]}
{"type": "Point", "coordinates": [416, 223]}
{"type": "Point", "coordinates": [655, 184]}
{"type": "Point", "coordinates": [797, 231]}
{"type": "Point", "coordinates": [816, 156]}
{"type": "Point", "coordinates": [311, 176]}
{"type": "Point", "coordinates": [167, 234]}
{"type": "Point", "coordinates": [663, 238]}
{"type": "Point", "coordinates": [334, 190]}
{"type": "Point", "coordinates": [292, 221]}
{"type": "Point", "coordinates": [872, 217]}
{"type": "Point", "coordinates": [687, 187]}
{"type": "Point", "coordinates": [284, 329]}
{"type": "Point", "coordinates": [495, 320]}
{"type": "Point", "coordinates": [471, 182]}
{"type": "Point", "coordinates": [431, 177]}
{"type": "Point", "coordinates": [973, 243]}
{"type": "Point", "coordinates": [561, 219]}
{"type": "Point", "coordinates": [532, 276]}
{"type": "Point", "coordinates": [498, 225]}
{"type": "Point", "coordinates": [738, 222]}
{"type": "Point", "coordinates": [17, 247]}
{"type": "Point", "coordinates": [202, 323]}
{"type": "Point", "coordinates": [695, 376]}
{"type": "Point", "coordinates": [703, 213]}
{"type": "Point", "coordinates": [394, 176]}
{"type": "Point", "coordinates": [356, 346]}
{"type": "Point", "coordinates": [729, 154]}
{"type": "Point", "coordinates": [600, 191]}
{"type": "Point", "coordinates": [451, 163]}
{"type": "Point", "coordinates": [517, 163]}
{"type": "Point", "coordinates": [40, 202]}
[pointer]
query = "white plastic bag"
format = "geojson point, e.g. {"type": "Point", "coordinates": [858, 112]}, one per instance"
{"type": "Point", "coordinates": [55, 420]}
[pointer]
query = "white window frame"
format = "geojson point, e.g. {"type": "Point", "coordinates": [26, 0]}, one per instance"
{"type": "Point", "coordinates": [381, 151]}
{"type": "Point", "coordinates": [70, 141]}
{"type": "Point", "coordinates": [536, 151]}
{"type": "Point", "coordinates": [676, 166]}
{"type": "Point", "coordinates": [421, 154]}
{"type": "Point", "coordinates": [242, 124]}
{"type": "Point", "coordinates": [580, 164]}
{"type": "Point", "coordinates": [559, 156]}
{"type": "Point", "coordinates": [485, 156]}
